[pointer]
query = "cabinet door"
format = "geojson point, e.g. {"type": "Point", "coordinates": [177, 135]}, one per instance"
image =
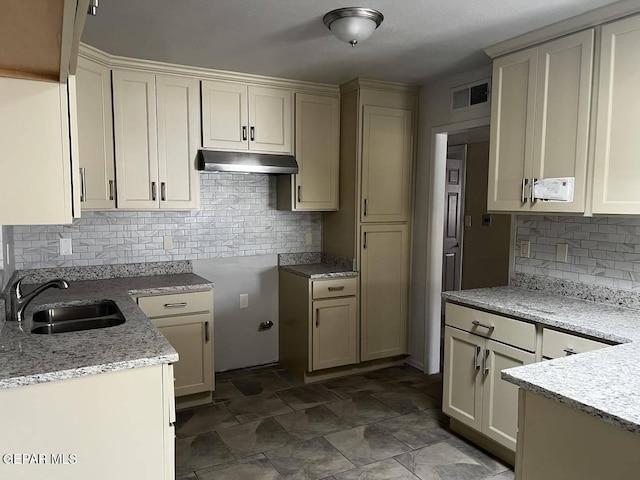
{"type": "Point", "coordinates": [270, 123]}
{"type": "Point", "coordinates": [617, 170]}
{"type": "Point", "coordinates": [335, 330]}
{"type": "Point", "coordinates": [95, 135]}
{"type": "Point", "coordinates": [387, 152]}
{"type": "Point", "coordinates": [178, 132]}
{"type": "Point", "coordinates": [512, 126]}
{"type": "Point", "coordinates": [191, 336]}
{"type": "Point", "coordinates": [500, 398]}
{"type": "Point", "coordinates": [563, 101]}
{"type": "Point", "coordinates": [384, 290]}
{"type": "Point", "coordinates": [136, 140]}
{"type": "Point", "coordinates": [317, 152]}
{"type": "Point", "coordinates": [225, 116]}
{"type": "Point", "coordinates": [462, 378]}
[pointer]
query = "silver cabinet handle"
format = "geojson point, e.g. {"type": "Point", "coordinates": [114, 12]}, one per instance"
{"type": "Point", "coordinates": [478, 324]}
{"type": "Point", "coordinates": [523, 199]}
{"type": "Point", "coordinates": [317, 317]}
{"type": "Point", "coordinates": [531, 195]}
{"type": "Point", "coordinates": [364, 244]}
{"type": "Point", "coordinates": [163, 191]}
{"type": "Point", "coordinates": [83, 184]}
{"type": "Point", "coordinates": [244, 133]}
{"type": "Point", "coordinates": [299, 193]}
{"type": "Point", "coordinates": [112, 193]}
{"type": "Point", "coordinates": [175, 305]}
{"type": "Point", "coordinates": [485, 363]}
{"type": "Point", "coordinates": [336, 289]}
{"type": "Point", "coordinates": [153, 191]}
{"type": "Point", "coordinates": [206, 332]}
{"type": "Point", "coordinates": [253, 133]}
{"type": "Point", "coordinates": [569, 351]}
{"type": "Point", "coordinates": [366, 207]}
{"type": "Point", "coordinates": [476, 358]}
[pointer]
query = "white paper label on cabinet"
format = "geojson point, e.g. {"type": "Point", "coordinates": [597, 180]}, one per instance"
{"type": "Point", "coordinates": [554, 189]}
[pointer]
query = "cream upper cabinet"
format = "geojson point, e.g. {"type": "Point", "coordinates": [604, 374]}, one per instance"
{"type": "Point", "coordinates": [384, 290]}
{"type": "Point", "coordinates": [616, 168]}
{"type": "Point", "coordinates": [540, 123]}
{"type": "Point", "coordinates": [387, 143]}
{"type": "Point", "coordinates": [335, 330]}
{"type": "Point", "coordinates": [240, 117]}
{"type": "Point", "coordinates": [317, 132]}
{"type": "Point", "coordinates": [156, 137]}
{"type": "Point", "coordinates": [95, 136]}
{"type": "Point", "coordinates": [178, 109]}
{"type": "Point", "coordinates": [35, 158]}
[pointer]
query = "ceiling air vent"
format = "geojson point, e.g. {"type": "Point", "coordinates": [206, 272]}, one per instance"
{"type": "Point", "coordinates": [472, 95]}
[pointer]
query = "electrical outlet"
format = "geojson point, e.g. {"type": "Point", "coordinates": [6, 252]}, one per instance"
{"type": "Point", "coordinates": [244, 300]}
{"type": "Point", "coordinates": [562, 252]}
{"type": "Point", "coordinates": [65, 246]}
{"type": "Point", "coordinates": [309, 238]}
{"type": "Point", "coordinates": [168, 242]}
{"type": "Point", "coordinates": [525, 248]}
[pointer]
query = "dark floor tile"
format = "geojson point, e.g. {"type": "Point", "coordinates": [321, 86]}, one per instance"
{"type": "Point", "coordinates": [344, 389]}
{"type": "Point", "coordinates": [225, 391]}
{"type": "Point", "coordinates": [198, 420]}
{"type": "Point", "coordinates": [310, 460]}
{"type": "Point", "coordinates": [310, 423]}
{"type": "Point", "coordinates": [205, 450]}
{"type": "Point", "coordinates": [433, 389]}
{"type": "Point", "coordinates": [300, 398]}
{"type": "Point", "coordinates": [366, 444]}
{"type": "Point", "coordinates": [406, 400]}
{"type": "Point", "coordinates": [385, 470]}
{"type": "Point", "coordinates": [255, 437]}
{"type": "Point", "coordinates": [403, 374]}
{"type": "Point", "coordinates": [247, 409]}
{"type": "Point", "coordinates": [188, 476]}
{"type": "Point", "coordinates": [437, 414]}
{"type": "Point", "coordinates": [253, 468]}
{"type": "Point", "coordinates": [416, 429]}
{"type": "Point", "coordinates": [506, 475]}
{"type": "Point", "coordinates": [490, 462]}
{"type": "Point", "coordinates": [442, 461]}
{"type": "Point", "coordinates": [259, 384]}
{"type": "Point", "coordinates": [361, 410]}
{"type": "Point", "coordinates": [248, 372]}
{"type": "Point", "coordinates": [292, 380]}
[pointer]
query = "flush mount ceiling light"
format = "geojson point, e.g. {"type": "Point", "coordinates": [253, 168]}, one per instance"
{"type": "Point", "coordinates": [353, 24]}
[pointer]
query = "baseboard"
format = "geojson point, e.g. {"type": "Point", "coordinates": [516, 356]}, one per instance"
{"type": "Point", "coordinates": [353, 369]}
{"type": "Point", "coordinates": [194, 400]}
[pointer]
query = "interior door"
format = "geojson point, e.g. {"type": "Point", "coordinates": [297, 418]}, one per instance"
{"type": "Point", "coordinates": [335, 329]}
{"type": "Point", "coordinates": [225, 115]}
{"type": "Point", "coordinates": [270, 125]}
{"type": "Point", "coordinates": [454, 214]}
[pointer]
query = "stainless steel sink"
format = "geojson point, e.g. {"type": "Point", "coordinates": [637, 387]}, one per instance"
{"type": "Point", "coordinates": [78, 317]}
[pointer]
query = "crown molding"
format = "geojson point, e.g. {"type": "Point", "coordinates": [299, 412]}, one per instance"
{"type": "Point", "coordinates": [590, 19]}
{"type": "Point", "coordinates": [358, 83]}
{"type": "Point", "coordinates": [152, 66]}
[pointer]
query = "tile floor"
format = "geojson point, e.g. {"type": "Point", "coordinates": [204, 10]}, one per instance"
{"type": "Point", "coordinates": [383, 425]}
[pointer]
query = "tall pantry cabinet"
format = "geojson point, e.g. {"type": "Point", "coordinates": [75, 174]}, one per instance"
{"type": "Point", "coordinates": [373, 224]}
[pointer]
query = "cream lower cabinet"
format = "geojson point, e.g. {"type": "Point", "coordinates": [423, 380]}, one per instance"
{"type": "Point", "coordinates": [156, 128]}
{"type": "Point", "coordinates": [473, 392]}
{"type": "Point", "coordinates": [557, 344]}
{"type": "Point", "coordinates": [318, 323]}
{"type": "Point", "coordinates": [384, 290]}
{"type": "Point", "coordinates": [103, 426]}
{"type": "Point", "coordinates": [186, 320]}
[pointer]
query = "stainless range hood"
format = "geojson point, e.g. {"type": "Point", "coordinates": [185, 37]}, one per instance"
{"type": "Point", "coordinates": [216, 161]}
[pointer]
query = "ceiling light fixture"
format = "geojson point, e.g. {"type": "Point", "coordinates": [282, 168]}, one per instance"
{"type": "Point", "coordinates": [353, 24]}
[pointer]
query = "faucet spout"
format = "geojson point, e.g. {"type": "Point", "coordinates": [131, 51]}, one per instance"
{"type": "Point", "coordinates": [18, 300]}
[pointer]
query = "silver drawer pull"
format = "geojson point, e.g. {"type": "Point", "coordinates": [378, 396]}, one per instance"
{"type": "Point", "coordinates": [206, 332]}
{"type": "Point", "coordinates": [569, 351]}
{"type": "Point", "coordinates": [175, 305]}
{"type": "Point", "coordinates": [478, 324]}
{"type": "Point", "coordinates": [485, 362]}
{"type": "Point", "coordinates": [336, 289]}
{"type": "Point", "coordinates": [476, 358]}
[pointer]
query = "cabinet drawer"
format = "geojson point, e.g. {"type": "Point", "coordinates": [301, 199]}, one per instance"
{"type": "Point", "coordinates": [176, 303]}
{"type": "Point", "coordinates": [559, 344]}
{"type": "Point", "coordinates": [339, 287]}
{"type": "Point", "coordinates": [501, 329]}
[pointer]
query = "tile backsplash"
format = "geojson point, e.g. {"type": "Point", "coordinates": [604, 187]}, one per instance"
{"type": "Point", "coordinates": [237, 217]}
{"type": "Point", "coordinates": [602, 250]}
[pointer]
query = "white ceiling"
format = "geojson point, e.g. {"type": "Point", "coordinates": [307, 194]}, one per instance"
{"type": "Point", "coordinates": [419, 40]}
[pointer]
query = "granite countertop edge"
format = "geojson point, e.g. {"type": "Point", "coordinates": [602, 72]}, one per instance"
{"type": "Point", "coordinates": [318, 271]}
{"type": "Point", "coordinates": [594, 382]}
{"type": "Point", "coordinates": [27, 359]}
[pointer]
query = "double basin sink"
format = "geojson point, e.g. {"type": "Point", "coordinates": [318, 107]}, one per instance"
{"type": "Point", "coordinates": [77, 318]}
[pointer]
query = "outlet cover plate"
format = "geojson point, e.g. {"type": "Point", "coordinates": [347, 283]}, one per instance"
{"type": "Point", "coordinates": [244, 300]}
{"type": "Point", "coordinates": [525, 248]}
{"type": "Point", "coordinates": [65, 246]}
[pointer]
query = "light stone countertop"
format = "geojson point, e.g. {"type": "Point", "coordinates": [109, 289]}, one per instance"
{"type": "Point", "coordinates": [604, 383]}
{"type": "Point", "coordinates": [27, 358]}
{"type": "Point", "coordinates": [318, 271]}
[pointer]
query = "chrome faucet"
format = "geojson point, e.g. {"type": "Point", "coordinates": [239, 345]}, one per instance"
{"type": "Point", "coordinates": [18, 301]}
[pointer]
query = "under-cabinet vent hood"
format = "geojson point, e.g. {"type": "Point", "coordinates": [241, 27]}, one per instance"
{"type": "Point", "coordinates": [216, 161]}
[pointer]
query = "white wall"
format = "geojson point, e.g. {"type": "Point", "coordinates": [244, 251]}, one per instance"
{"type": "Point", "coordinates": [434, 112]}
{"type": "Point", "coordinates": [237, 341]}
